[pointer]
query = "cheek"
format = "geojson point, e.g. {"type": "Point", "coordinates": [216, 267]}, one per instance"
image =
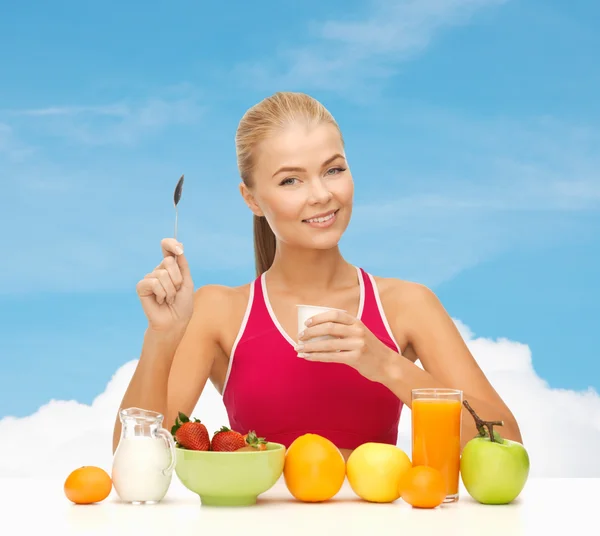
{"type": "Point", "coordinates": [288, 207]}
{"type": "Point", "coordinates": [343, 190]}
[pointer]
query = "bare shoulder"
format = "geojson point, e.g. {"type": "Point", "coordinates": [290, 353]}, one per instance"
{"type": "Point", "coordinates": [213, 293]}
{"type": "Point", "coordinates": [221, 299]}
{"type": "Point", "coordinates": [400, 294]}
{"type": "Point", "coordinates": [411, 307]}
{"type": "Point", "coordinates": [218, 313]}
{"type": "Point", "coordinates": [403, 302]}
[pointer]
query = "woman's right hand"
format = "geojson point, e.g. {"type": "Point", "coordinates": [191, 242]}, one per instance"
{"type": "Point", "coordinates": [167, 293]}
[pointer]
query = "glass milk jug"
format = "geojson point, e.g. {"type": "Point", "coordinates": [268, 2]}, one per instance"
{"type": "Point", "coordinates": [144, 460]}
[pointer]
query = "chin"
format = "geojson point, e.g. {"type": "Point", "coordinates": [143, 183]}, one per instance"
{"type": "Point", "coordinates": [325, 240]}
{"type": "Point", "coordinates": [324, 245]}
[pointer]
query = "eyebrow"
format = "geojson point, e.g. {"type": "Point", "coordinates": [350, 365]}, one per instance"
{"type": "Point", "coordinates": [289, 168]}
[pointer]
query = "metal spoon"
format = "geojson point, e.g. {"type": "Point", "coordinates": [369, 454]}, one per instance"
{"type": "Point", "coordinates": [176, 198]}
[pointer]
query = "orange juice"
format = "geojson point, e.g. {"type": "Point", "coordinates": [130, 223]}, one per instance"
{"type": "Point", "coordinates": [436, 435]}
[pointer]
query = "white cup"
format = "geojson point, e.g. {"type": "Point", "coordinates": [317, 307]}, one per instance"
{"type": "Point", "coordinates": [308, 311]}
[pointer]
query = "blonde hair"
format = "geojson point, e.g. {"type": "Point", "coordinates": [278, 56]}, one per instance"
{"type": "Point", "coordinates": [262, 120]}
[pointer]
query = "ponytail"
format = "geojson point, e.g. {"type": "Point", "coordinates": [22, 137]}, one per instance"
{"type": "Point", "coordinates": [264, 245]}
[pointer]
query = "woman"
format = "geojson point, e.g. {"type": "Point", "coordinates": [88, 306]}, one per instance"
{"type": "Point", "coordinates": [349, 388]}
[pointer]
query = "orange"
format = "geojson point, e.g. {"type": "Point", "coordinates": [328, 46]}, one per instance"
{"type": "Point", "coordinates": [314, 469]}
{"type": "Point", "coordinates": [423, 487]}
{"type": "Point", "coordinates": [88, 484]}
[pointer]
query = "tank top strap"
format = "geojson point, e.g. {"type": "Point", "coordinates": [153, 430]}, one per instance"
{"type": "Point", "coordinates": [258, 312]}
{"type": "Point", "coordinates": [373, 314]}
{"type": "Point", "coordinates": [253, 324]}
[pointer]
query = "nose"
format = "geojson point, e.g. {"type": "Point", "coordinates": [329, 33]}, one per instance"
{"type": "Point", "coordinates": [319, 193]}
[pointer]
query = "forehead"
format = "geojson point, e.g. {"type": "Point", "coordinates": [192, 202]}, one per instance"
{"type": "Point", "coordinates": [299, 144]}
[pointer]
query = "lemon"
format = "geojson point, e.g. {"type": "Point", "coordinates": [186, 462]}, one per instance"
{"type": "Point", "coordinates": [374, 471]}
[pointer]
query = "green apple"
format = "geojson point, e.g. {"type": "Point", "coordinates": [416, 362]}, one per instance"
{"type": "Point", "coordinates": [494, 470]}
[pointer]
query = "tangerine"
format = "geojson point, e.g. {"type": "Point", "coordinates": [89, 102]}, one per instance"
{"type": "Point", "coordinates": [314, 468]}
{"type": "Point", "coordinates": [88, 484]}
{"type": "Point", "coordinates": [423, 487]}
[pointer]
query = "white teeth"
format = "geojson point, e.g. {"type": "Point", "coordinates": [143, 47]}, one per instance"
{"type": "Point", "coordinates": [321, 220]}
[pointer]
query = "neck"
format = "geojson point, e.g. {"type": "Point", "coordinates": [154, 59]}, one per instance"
{"type": "Point", "coordinates": [302, 269]}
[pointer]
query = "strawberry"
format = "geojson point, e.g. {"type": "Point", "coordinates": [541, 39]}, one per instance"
{"type": "Point", "coordinates": [226, 440]}
{"type": "Point", "coordinates": [254, 442]}
{"type": "Point", "coordinates": [190, 434]}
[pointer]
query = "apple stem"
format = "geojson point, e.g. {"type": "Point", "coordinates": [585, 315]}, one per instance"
{"type": "Point", "coordinates": [482, 425]}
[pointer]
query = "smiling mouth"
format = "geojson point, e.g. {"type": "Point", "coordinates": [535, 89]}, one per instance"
{"type": "Point", "coordinates": [322, 219]}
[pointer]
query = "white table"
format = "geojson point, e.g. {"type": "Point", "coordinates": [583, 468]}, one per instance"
{"type": "Point", "coordinates": [555, 506]}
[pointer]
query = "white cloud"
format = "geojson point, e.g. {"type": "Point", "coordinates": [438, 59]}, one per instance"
{"type": "Point", "coordinates": [486, 187]}
{"type": "Point", "coordinates": [561, 428]}
{"type": "Point", "coordinates": [117, 110]}
{"type": "Point", "coordinates": [448, 234]}
{"type": "Point", "coordinates": [118, 123]}
{"type": "Point", "coordinates": [401, 26]}
{"type": "Point", "coordinates": [63, 435]}
{"type": "Point", "coordinates": [343, 54]}
{"type": "Point", "coordinates": [499, 163]}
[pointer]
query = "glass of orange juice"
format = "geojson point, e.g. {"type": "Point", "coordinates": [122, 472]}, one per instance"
{"type": "Point", "coordinates": [436, 422]}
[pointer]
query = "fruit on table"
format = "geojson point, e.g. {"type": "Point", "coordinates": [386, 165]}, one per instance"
{"type": "Point", "coordinates": [374, 471]}
{"type": "Point", "coordinates": [226, 440]}
{"type": "Point", "coordinates": [494, 470]}
{"type": "Point", "coordinates": [190, 433]}
{"type": "Point", "coordinates": [423, 487]}
{"type": "Point", "coordinates": [88, 484]}
{"type": "Point", "coordinates": [314, 468]}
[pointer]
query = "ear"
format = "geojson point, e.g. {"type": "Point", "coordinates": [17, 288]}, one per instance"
{"type": "Point", "coordinates": [249, 200]}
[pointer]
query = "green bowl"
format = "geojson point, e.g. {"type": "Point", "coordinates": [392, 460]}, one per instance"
{"type": "Point", "coordinates": [230, 478]}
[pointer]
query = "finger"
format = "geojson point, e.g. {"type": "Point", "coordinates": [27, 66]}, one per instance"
{"type": "Point", "coordinates": [170, 246]}
{"type": "Point", "coordinates": [172, 267]}
{"type": "Point", "coordinates": [328, 345]}
{"type": "Point", "coordinates": [341, 317]}
{"type": "Point", "coordinates": [184, 268]}
{"type": "Point", "coordinates": [151, 286]}
{"type": "Point", "coordinates": [164, 278]}
{"type": "Point", "coordinates": [331, 357]}
{"type": "Point", "coordinates": [327, 328]}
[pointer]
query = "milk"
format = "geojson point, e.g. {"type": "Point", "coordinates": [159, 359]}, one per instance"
{"type": "Point", "coordinates": [137, 471]}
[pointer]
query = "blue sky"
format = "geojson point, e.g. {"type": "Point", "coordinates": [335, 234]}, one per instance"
{"type": "Point", "coordinates": [472, 129]}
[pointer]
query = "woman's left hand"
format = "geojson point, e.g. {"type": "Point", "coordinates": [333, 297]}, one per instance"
{"type": "Point", "coordinates": [353, 344]}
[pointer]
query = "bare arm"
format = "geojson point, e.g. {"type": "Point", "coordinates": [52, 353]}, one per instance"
{"type": "Point", "coordinates": [148, 386]}
{"type": "Point", "coordinates": [174, 366]}
{"type": "Point", "coordinates": [435, 339]}
{"type": "Point", "coordinates": [194, 359]}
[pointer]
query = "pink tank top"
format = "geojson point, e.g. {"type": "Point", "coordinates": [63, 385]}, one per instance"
{"type": "Point", "coordinates": [281, 396]}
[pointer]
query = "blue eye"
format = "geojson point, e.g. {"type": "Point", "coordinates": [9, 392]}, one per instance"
{"type": "Point", "coordinates": [337, 169]}
{"type": "Point", "coordinates": [287, 181]}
